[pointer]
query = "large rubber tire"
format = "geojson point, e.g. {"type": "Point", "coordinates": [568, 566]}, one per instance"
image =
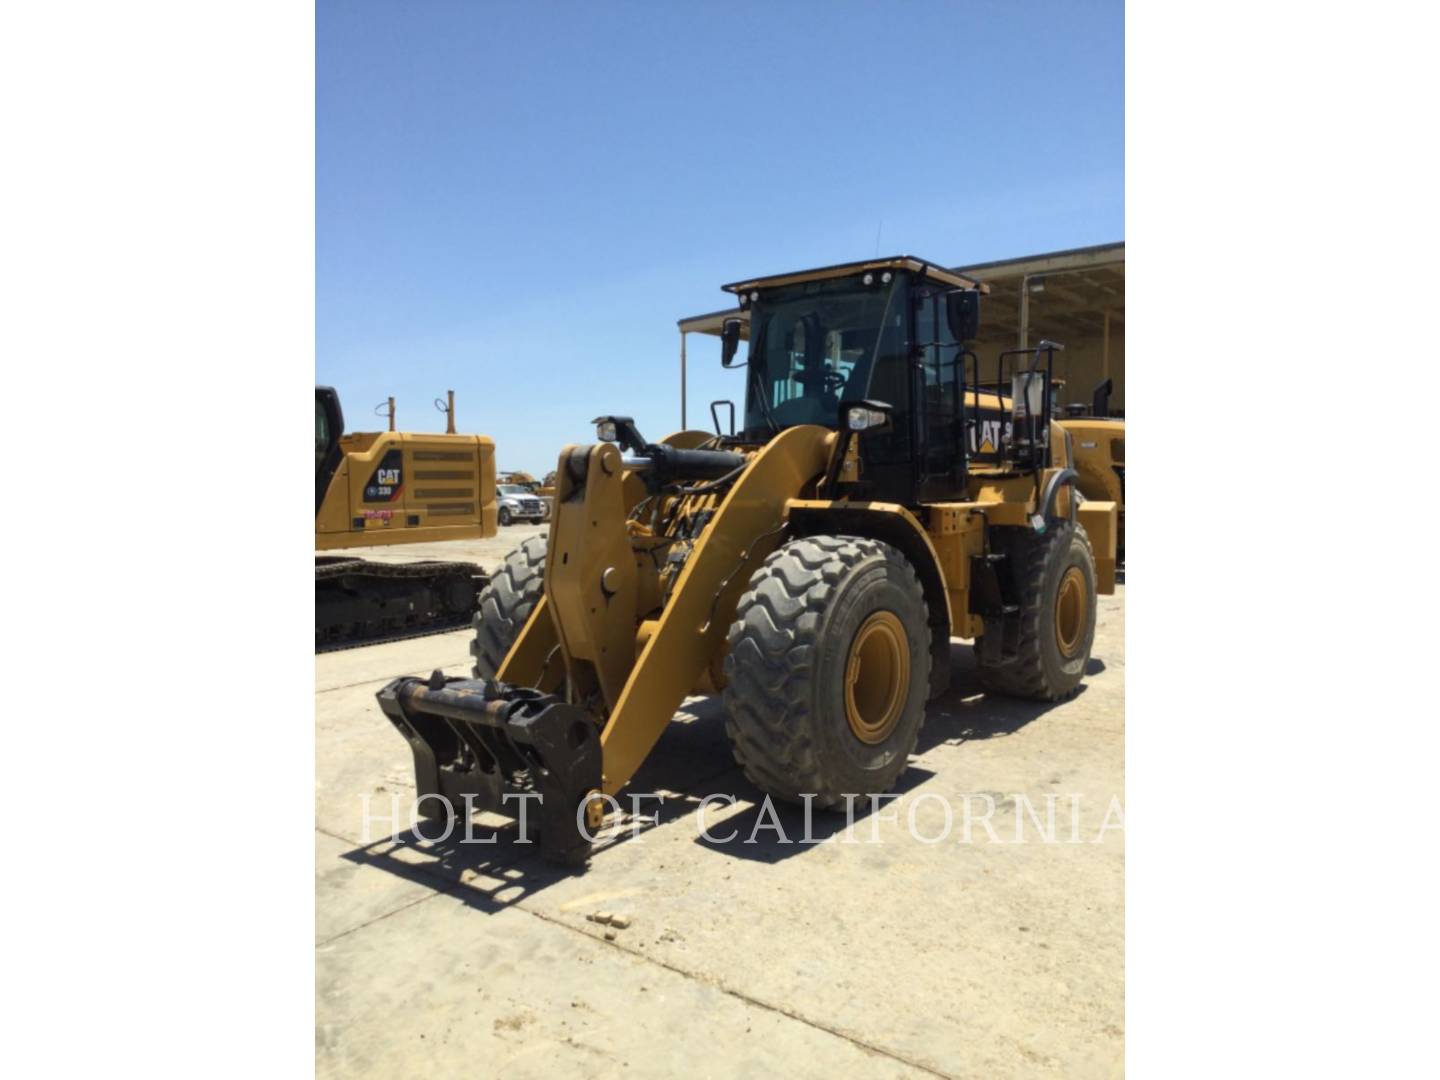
{"type": "Point", "coordinates": [1038, 564]}
{"type": "Point", "coordinates": [785, 689]}
{"type": "Point", "coordinates": [505, 517]}
{"type": "Point", "coordinates": [506, 603]}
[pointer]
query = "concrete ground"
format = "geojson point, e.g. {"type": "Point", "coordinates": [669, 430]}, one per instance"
{"type": "Point", "coordinates": [873, 953]}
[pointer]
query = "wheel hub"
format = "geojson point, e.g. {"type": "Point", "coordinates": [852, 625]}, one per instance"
{"type": "Point", "coordinates": [877, 675]}
{"type": "Point", "coordinates": [1072, 606]}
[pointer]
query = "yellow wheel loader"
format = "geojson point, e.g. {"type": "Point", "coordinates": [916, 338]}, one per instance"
{"type": "Point", "coordinates": [883, 497]}
{"type": "Point", "coordinates": [1098, 440]}
{"type": "Point", "coordinates": [389, 487]}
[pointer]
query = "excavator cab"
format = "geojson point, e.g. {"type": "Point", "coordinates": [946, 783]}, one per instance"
{"type": "Point", "coordinates": [329, 426]}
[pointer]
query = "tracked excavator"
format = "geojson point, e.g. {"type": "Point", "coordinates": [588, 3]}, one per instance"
{"type": "Point", "coordinates": [388, 488]}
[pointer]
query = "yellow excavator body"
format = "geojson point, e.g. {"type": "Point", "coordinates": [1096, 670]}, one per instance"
{"type": "Point", "coordinates": [396, 487]}
{"type": "Point", "coordinates": [389, 487]}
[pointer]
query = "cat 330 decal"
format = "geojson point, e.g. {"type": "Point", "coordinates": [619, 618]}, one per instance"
{"type": "Point", "coordinates": [387, 479]}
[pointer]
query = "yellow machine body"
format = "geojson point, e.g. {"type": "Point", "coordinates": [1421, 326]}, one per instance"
{"type": "Point", "coordinates": [1099, 448]}
{"type": "Point", "coordinates": [395, 487]}
{"type": "Point", "coordinates": [633, 644]}
{"type": "Point", "coordinates": [659, 556]}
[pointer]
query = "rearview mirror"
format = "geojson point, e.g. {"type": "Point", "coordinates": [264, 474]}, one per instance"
{"type": "Point", "coordinates": [729, 341]}
{"type": "Point", "coordinates": [962, 312]}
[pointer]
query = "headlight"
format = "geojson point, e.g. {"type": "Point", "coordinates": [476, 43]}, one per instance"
{"type": "Point", "coordinates": [859, 418]}
{"type": "Point", "coordinates": [605, 431]}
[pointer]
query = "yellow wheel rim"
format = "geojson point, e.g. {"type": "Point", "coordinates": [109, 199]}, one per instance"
{"type": "Point", "coordinates": [1072, 606]}
{"type": "Point", "coordinates": [877, 676]}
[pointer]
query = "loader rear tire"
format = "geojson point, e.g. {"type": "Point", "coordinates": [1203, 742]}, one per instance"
{"type": "Point", "coordinates": [828, 670]}
{"type": "Point", "coordinates": [506, 603]}
{"type": "Point", "coordinates": [1053, 576]}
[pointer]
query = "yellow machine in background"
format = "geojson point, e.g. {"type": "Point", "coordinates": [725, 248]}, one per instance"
{"type": "Point", "coordinates": [390, 487]}
{"type": "Point", "coordinates": [1098, 442]}
{"type": "Point", "coordinates": [881, 499]}
{"type": "Point", "coordinates": [523, 479]}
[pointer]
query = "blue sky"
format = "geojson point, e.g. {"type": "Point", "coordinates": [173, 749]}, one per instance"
{"type": "Point", "coordinates": [517, 201]}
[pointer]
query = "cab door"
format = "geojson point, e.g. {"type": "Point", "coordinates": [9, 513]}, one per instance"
{"type": "Point", "coordinates": [940, 458]}
{"type": "Point", "coordinates": [329, 426]}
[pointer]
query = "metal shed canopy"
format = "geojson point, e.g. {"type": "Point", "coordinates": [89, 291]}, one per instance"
{"type": "Point", "coordinates": [1079, 286]}
{"type": "Point", "coordinates": [1076, 292]}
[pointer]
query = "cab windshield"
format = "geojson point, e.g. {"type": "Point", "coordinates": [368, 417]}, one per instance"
{"type": "Point", "coordinates": [815, 344]}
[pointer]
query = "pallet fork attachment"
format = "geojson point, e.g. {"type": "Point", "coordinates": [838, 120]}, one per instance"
{"type": "Point", "coordinates": [483, 745]}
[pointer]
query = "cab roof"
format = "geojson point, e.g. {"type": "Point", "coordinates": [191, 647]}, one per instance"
{"type": "Point", "coordinates": [894, 262]}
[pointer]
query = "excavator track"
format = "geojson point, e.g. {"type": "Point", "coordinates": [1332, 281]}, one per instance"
{"type": "Point", "coordinates": [360, 602]}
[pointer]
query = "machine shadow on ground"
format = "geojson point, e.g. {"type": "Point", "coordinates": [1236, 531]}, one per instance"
{"type": "Point", "coordinates": [965, 712]}
{"type": "Point", "coordinates": [962, 714]}
{"type": "Point", "coordinates": [494, 866]}
{"type": "Point", "coordinates": [491, 867]}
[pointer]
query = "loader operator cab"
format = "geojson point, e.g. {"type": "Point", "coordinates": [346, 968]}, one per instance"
{"type": "Point", "coordinates": [889, 332]}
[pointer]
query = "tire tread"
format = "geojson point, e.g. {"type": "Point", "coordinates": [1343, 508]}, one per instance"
{"type": "Point", "coordinates": [773, 642]}
{"type": "Point", "coordinates": [1028, 554]}
{"type": "Point", "coordinates": [506, 603]}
